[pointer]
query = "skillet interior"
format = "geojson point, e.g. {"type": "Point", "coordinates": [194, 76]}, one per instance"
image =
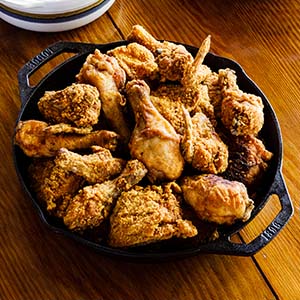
{"type": "Point", "coordinates": [64, 75]}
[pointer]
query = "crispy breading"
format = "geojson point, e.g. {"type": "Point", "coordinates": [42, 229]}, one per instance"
{"type": "Point", "coordinates": [95, 168]}
{"type": "Point", "coordinates": [201, 145]}
{"type": "Point", "coordinates": [171, 58]}
{"type": "Point", "coordinates": [216, 199]}
{"type": "Point", "coordinates": [91, 206]}
{"type": "Point", "coordinates": [53, 185]}
{"type": "Point", "coordinates": [242, 113]}
{"type": "Point", "coordinates": [146, 215]}
{"type": "Point", "coordinates": [137, 61]}
{"type": "Point", "coordinates": [78, 104]}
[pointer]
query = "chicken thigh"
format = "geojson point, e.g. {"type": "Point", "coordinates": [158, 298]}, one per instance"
{"type": "Point", "coordinates": [154, 141]}
{"type": "Point", "coordinates": [216, 199]}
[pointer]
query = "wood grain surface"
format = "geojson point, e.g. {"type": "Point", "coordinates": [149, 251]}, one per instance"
{"type": "Point", "coordinates": [37, 263]}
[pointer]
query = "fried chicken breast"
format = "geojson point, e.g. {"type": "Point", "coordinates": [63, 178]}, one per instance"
{"type": "Point", "coordinates": [146, 215]}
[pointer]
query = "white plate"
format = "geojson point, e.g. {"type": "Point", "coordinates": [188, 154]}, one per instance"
{"type": "Point", "coordinates": [63, 19]}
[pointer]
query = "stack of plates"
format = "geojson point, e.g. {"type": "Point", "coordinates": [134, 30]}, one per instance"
{"type": "Point", "coordinates": [52, 15]}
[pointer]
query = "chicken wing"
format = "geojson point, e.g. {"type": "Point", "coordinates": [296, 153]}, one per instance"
{"type": "Point", "coordinates": [36, 138]}
{"type": "Point", "coordinates": [92, 205]}
{"type": "Point", "coordinates": [248, 160]}
{"type": "Point", "coordinates": [78, 105]}
{"type": "Point", "coordinates": [53, 185]}
{"type": "Point", "coordinates": [201, 145]}
{"type": "Point", "coordinates": [154, 141]}
{"type": "Point", "coordinates": [104, 72]}
{"type": "Point", "coordinates": [146, 215]}
{"type": "Point", "coordinates": [137, 61]}
{"type": "Point", "coordinates": [94, 168]}
{"type": "Point", "coordinates": [171, 58]}
{"type": "Point", "coordinates": [196, 97]}
{"type": "Point", "coordinates": [216, 199]}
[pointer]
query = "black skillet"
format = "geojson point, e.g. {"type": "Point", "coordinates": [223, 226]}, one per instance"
{"type": "Point", "coordinates": [272, 184]}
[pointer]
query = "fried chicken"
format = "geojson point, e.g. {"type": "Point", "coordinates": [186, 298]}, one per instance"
{"type": "Point", "coordinates": [53, 185]}
{"type": "Point", "coordinates": [201, 145]}
{"type": "Point", "coordinates": [196, 97]}
{"type": "Point", "coordinates": [240, 112]}
{"type": "Point", "coordinates": [171, 58]}
{"type": "Point", "coordinates": [216, 199]}
{"type": "Point", "coordinates": [191, 92]}
{"type": "Point", "coordinates": [92, 205]}
{"type": "Point", "coordinates": [94, 168]}
{"type": "Point", "coordinates": [104, 72]}
{"type": "Point", "coordinates": [248, 160]}
{"type": "Point", "coordinates": [38, 139]}
{"type": "Point", "coordinates": [154, 141]}
{"type": "Point", "coordinates": [137, 61]}
{"type": "Point", "coordinates": [146, 215]}
{"type": "Point", "coordinates": [78, 105]}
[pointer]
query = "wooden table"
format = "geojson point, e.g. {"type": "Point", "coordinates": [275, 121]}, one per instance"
{"type": "Point", "coordinates": [36, 263]}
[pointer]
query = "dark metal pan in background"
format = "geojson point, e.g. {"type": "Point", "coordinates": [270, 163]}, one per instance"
{"type": "Point", "coordinates": [272, 183]}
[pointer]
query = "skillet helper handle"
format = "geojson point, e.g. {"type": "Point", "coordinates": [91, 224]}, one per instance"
{"type": "Point", "coordinates": [225, 246]}
{"type": "Point", "coordinates": [39, 60]}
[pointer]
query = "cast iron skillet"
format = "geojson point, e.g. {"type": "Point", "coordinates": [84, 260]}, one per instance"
{"type": "Point", "coordinates": [273, 182]}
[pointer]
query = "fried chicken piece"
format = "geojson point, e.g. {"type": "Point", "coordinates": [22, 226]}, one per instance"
{"type": "Point", "coordinates": [137, 61]}
{"type": "Point", "coordinates": [78, 105]}
{"type": "Point", "coordinates": [53, 185]}
{"type": "Point", "coordinates": [192, 92]}
{"type": "Point", "coordinates": [248, 160]}
{"type": "Point", "coordinates": [196, 97]}
{"type": "Point", "coordinates": [171, 58]}
{"type": "Point", "coordinates": [104, 72]}
{"type": "Point", "coordinates": [92, 205]}
{"type": "Point", "coordinates": [216, 199]}
{"type": "Point", "coordinates": [154, 141]}
{"type": "Point", "coordinates": [242, 113]}
{"type": "Point", "coordinates": [36, 139]}
{"type": "Point", "coordinates": [201, 145]}
{"type": "Point", "coordinates": [94, 168]}
{"type": "Point", "coordinates": [146, 215]}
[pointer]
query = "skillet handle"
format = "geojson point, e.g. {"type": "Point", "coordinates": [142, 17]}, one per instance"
{"type": "Point", "coordinates": [39, 60]}
{"type": "Point", "coordinates": [225, 246]}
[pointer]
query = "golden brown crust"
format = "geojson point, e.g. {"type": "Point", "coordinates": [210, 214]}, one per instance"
{"type": "Point", "coordinates": [137, 61]}
{"type": "Point", "coordinates": [78, 104]}
{"type": "Point", "coordinates": [146, 215]}
{"type": "Point", "coordinates": [216, 199]}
